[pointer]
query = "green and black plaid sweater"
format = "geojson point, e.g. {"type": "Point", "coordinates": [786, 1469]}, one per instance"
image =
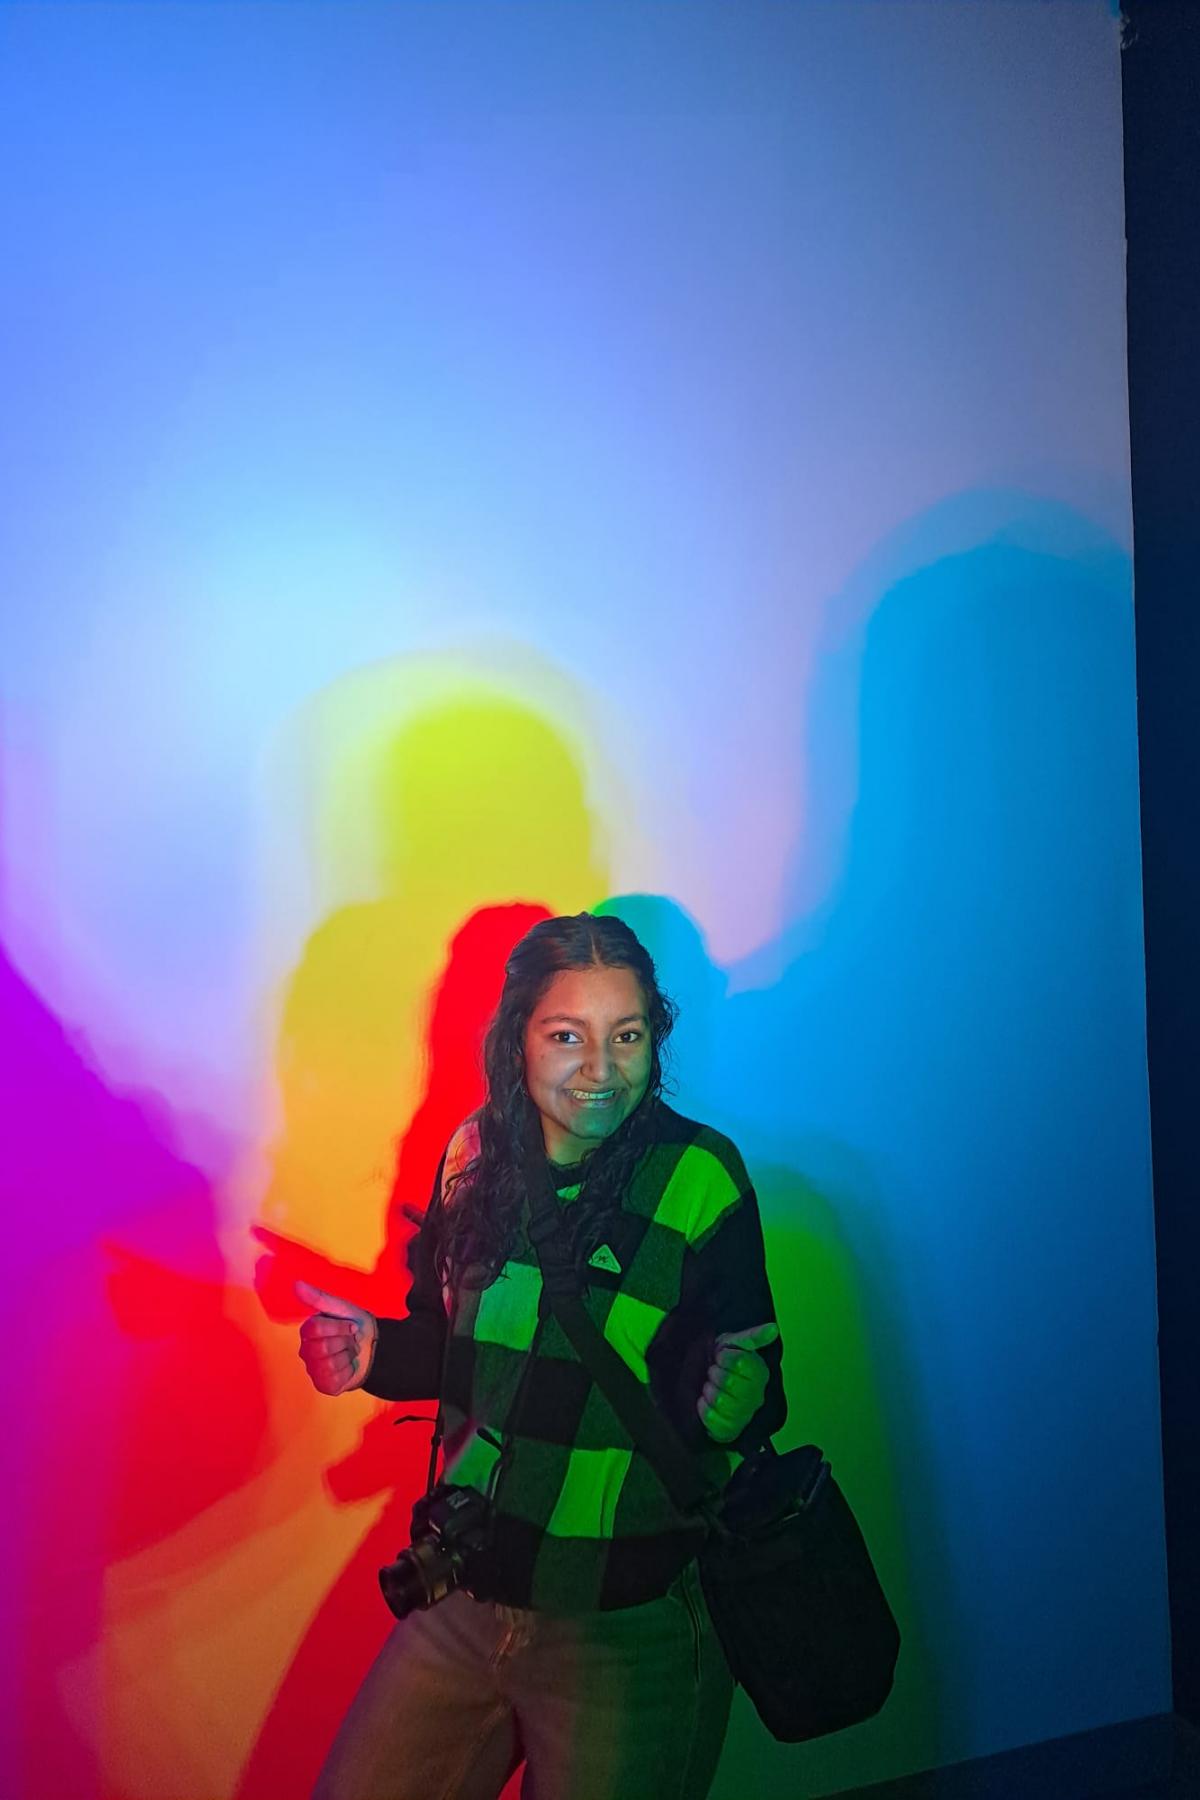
{"type": "Point", "coordinates": [581, 1521]}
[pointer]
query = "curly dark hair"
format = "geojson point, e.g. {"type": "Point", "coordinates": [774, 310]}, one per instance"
{"type": "Point", "coordinates": [480, 1230]}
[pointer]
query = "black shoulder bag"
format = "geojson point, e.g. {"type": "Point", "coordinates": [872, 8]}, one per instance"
{"type": "Point", "coordinates": [796, 1603]}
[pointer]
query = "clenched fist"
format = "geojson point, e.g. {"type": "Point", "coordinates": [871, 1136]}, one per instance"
{"type": "Point", "coordinates": [736, 1382]}
{"type": "Point", "coordinates": [337, 1344]}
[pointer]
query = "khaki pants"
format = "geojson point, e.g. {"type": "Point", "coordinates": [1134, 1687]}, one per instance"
{"type": "Point", "coordinates": [628, 1705]}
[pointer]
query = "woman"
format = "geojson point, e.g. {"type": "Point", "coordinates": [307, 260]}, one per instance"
{"type": "Point", "coordinates": [592, 1656]}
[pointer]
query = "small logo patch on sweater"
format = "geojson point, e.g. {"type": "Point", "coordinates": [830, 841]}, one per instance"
{"type": "Point", "coordinates": [603, 1258]}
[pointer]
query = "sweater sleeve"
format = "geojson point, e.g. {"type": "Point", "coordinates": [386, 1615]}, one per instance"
{"type": "Point", "coordinates": [724, 1287]}
{"type": "Point", "coordinates": [407, 1364]}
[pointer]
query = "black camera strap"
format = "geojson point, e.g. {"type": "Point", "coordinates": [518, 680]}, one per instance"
{"type": "Point", "coordinates": [439, 1423]}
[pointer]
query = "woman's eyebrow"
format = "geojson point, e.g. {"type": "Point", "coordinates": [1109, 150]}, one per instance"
{"type": "Point", "coordinates": [566, 1019]}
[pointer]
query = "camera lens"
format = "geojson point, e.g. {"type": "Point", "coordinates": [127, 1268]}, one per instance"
{"type": "Point", "coordinates": [419, 1577]}
{"type": "Point", "coordinates": [449, 1532]}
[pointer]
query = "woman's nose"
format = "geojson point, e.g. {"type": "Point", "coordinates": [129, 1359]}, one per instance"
{"type": "Point", "coordinates": [597, 1064]}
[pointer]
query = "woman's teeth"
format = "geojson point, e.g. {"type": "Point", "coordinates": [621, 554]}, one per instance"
{"type": "Point", "coordinates": [597, 1097]}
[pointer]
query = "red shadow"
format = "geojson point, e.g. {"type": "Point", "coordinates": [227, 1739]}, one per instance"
{"type": "Point", "coordinates": [352, 1622]}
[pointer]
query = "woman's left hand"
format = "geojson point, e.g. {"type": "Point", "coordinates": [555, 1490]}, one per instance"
{"type": "Point", "coordinates": [736, 1382]}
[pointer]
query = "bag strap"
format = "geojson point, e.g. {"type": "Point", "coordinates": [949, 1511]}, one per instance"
{"type": "Point", "coordinates": [680, 1472]}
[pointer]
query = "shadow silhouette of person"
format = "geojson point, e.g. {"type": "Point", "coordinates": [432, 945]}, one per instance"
{"type": "Point", "coordinates": [482, 826]}
{"type": "Point", "coordinates": [946, 1036]}
{"type": "Point", "coordinates": [471, 805]}
{"type": "Point", "coordinates": [120, 1282]}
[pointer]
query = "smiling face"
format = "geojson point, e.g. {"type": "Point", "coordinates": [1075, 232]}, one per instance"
{"type": "Point", "coordinates": [587, 1057]}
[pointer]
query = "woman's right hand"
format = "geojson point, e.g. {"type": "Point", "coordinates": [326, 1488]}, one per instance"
{"type": "Point", "coordinates": [338, 1343]}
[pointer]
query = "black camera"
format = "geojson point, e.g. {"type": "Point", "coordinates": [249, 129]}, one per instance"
{"type": "Point", "coordinates": [450, 1533]}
